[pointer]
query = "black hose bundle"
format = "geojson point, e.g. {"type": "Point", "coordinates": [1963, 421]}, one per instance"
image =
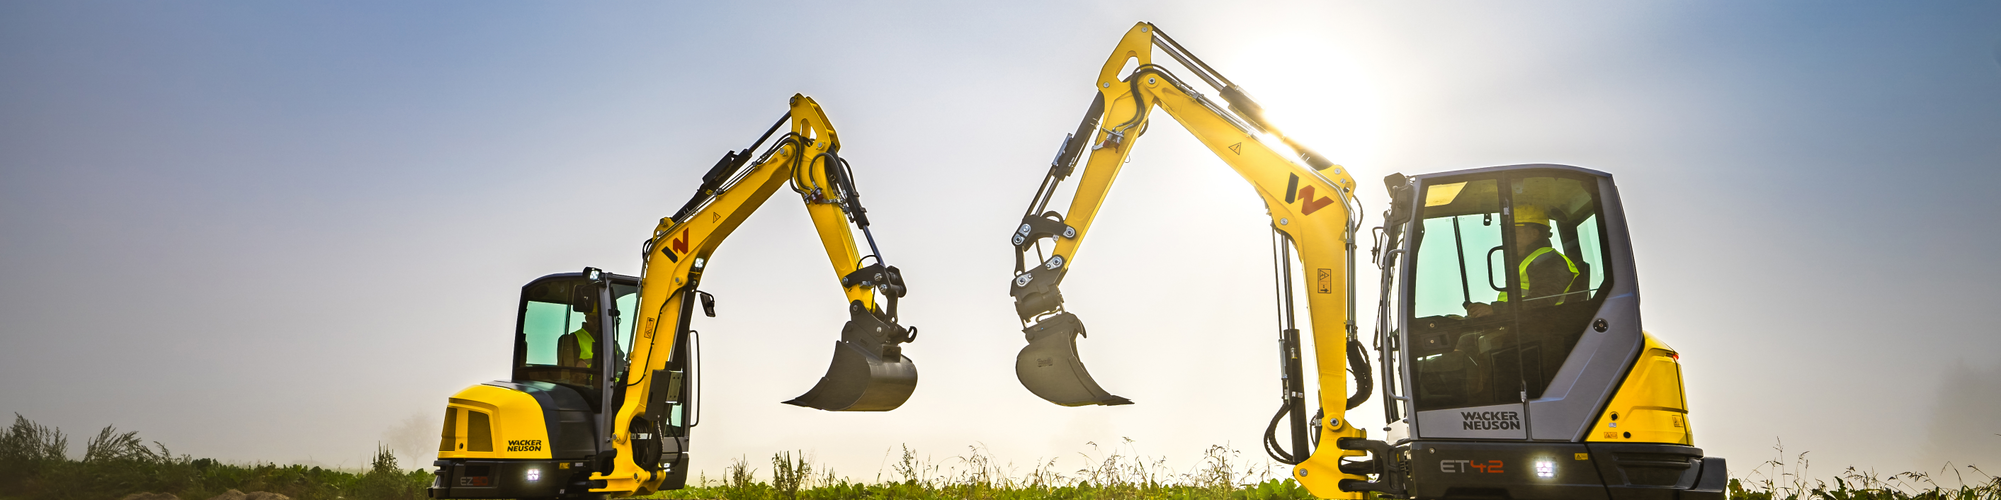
{"type": "Point", "coordinates": [1365, 383]}
{"type": "Point", "coordinates": [1358, 364]}
{"type": "Point", "coordinates": [1272, 448]}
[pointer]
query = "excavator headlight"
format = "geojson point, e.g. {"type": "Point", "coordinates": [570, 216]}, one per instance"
{"type": "Point", "coordinates": [1545, 468]}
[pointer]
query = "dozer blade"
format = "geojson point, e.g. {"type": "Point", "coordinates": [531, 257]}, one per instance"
{"type": "Point", "coordinates": [869, 372]}
{"type": "Point", "coordinates": [1049, 366]}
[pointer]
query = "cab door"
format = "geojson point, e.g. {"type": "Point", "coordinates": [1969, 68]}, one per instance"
{"type": "Point", "coordinates": [1505, 316]}
{"type": "Point", "coordinates": [1462, 350]}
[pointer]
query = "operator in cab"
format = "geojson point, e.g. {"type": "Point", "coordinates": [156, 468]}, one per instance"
{"type": "Point", "coordinates": [578, 349]}
{"type": "Point", "coordinates": [1546, 274]}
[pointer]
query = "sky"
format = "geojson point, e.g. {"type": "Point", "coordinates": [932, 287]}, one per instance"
{"type": "Point", "coordinates": [286, 232]}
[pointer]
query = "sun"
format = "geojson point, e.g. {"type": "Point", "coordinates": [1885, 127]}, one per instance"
{"type": "Point", "coordinates": [1312, 90]}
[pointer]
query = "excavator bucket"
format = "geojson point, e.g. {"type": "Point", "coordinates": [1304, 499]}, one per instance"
{"type": "Point", "coordinates": [869, 372]}
{"type": "Point", "coordinates": [1049, 366]}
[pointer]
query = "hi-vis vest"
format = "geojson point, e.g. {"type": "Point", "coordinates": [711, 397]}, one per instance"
{"type": "Point", "coordinates": [587, 344]}
{"type": "Point", "coordinates": [1523, 271]}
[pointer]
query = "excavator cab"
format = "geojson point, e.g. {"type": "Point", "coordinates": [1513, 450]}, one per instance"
{"type": "Point", "coordinates": [1513, 354]}
{"type": "Point", "coordinates": [541, 433]}
{"type": "Point", "coordinates": [1505, 282]}
{"type": "Point", "coordinates": [561, 338]}
{"type": "Point", "coordinates": [561, 329]}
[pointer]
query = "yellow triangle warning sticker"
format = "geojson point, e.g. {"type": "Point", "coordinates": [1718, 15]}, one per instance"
{"type": "Point", "coordinates": [1237, 148]}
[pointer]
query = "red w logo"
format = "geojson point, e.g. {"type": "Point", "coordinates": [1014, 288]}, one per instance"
{"type": "Point", "coordinates": [680, 247]}
{"type": "Point", "coordinates": [1308, 205]}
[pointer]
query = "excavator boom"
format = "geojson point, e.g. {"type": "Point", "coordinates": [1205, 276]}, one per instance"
{"type": "Point", "coordinates": [1310, 201]}
{"type": "Point", "coordinates": [868, 371]}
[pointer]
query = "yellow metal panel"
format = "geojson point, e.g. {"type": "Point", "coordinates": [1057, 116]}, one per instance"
{"type": "Point", "coordinates": [516, 428]}
{"type": "Point", "coordinates": [449, 436]}
{"type": "Point", "coordinates": [1649, 407]}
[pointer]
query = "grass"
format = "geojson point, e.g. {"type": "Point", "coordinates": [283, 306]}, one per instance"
{"type": "Point", "coordinates": [1788, 478]}
{"type": "Point", "coordinates": [34, 465]}
{"type": "Point", "coordinates": [1120, 473]}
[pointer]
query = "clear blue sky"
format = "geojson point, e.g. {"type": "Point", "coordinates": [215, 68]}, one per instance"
{"type": "Point", "coordinates": [274, 231]}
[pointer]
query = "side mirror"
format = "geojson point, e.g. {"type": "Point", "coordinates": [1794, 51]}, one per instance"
{"type": "Point", "coordinates": [708, 304]}
{"type": "Point", "coordinates": [1400, 199]}
{"type": "Point", "coordinates": [1395, 180]}
{"type": "Point", "coordinates": [583, 298]}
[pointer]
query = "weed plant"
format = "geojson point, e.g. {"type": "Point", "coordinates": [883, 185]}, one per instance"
{"type": "Point", "coordinates": [33, 465]}
{"type": "Point", "coordinates": [1224, 474]}
{"type": "Point", "coordinates": [1118, 473]}
{"type": "Point", "coordinates": [1785, 478]}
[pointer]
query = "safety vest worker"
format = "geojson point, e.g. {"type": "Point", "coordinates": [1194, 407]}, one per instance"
{"type": "Point", "coordinates": [586, 345]}
{"type": "Point", "coordinates": [578, 348]}
{"type": "Point", "coordinates": [1544, 272]}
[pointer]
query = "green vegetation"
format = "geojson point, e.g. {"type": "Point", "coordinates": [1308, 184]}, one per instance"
{"type": "Point", "coordinates": [979, 475]}
{"type": "Point", "coordinates": [1224, 475]}
{"type": "Point", "coordinates": [34, 465]}
{"type": "Point", "coordinates": [1783, 479]}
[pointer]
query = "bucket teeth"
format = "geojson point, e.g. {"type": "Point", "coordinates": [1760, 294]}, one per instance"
{"type": "Point", "coordinates": [869, 371]}
{"type": "Point", "coordinates": [1049, 366]}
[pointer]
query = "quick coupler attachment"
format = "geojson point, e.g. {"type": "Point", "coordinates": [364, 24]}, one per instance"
{"type": "Point", "coordinates": [869, 372]}
{"type": "Point", "coordinates": [1383, 462]}
{"type": "Point", "coordinates": [1049, 366]}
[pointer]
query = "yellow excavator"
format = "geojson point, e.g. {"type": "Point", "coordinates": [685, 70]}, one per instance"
{"type": "Point", "coordinates": [1540, 384]}
{"type": "Point", "coordinates": [605, 384]}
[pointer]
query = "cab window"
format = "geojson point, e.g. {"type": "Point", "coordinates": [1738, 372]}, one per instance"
{"type": "Point", "coordinates": [1503, 283]}
{"type": "Point", "coordinates": [559, 336]}
{"type": "Point", "coordinates": [1563, 281]}
{"type": "Point", "coordinates": [1459, 267]}
{"type": "Point", "coordinates": [626, 298]}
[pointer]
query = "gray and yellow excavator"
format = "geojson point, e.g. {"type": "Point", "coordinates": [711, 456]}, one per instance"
{"type": "Point", "coordinates": [1540, 384]}
{"type": "Point", "coordinates": [605, 387]}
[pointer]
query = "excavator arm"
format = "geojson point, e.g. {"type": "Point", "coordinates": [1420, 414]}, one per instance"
{"type": "Point", "coordinates": [648, 432]}
{"type": "Point", "coordinates": [1312, 207]}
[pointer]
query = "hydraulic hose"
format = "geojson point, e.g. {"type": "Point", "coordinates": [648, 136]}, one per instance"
{"type": "Point", "coordinates": [1272, 447]}
{"type": "Point", "coordinates": [1358, 363]}
{"type": "Point", "coordinates": [1364, 384]}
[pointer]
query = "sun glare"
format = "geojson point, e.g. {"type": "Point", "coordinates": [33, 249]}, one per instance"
{"type": "Point", "coordinates": [1313, 92]}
